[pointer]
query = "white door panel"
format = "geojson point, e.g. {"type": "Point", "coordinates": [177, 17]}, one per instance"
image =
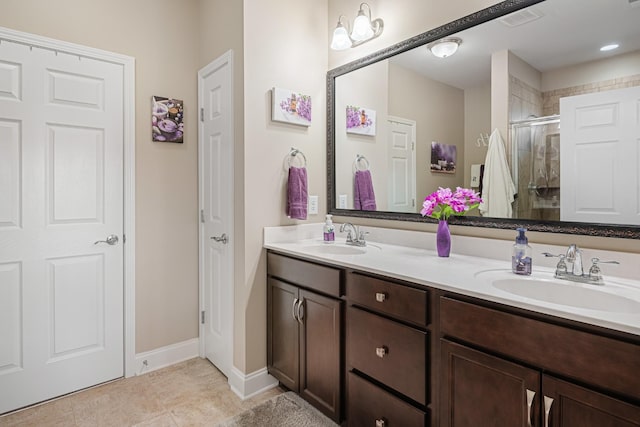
{"type": "Point", "coordinates": [215, 90]}
{"type": "Point", "coordinates": [402, 165]}
{"type": "Point", "coordinates": [61, 189]}
{"type": "Point", "coordinates": [600, 157]}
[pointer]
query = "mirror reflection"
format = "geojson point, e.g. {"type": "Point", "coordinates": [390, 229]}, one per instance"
{"type": "Point", "coordinates": [535, 80]}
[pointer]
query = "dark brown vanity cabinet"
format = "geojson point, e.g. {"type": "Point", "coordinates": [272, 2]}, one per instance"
{"type": "Point", "coordinates": [304, 316]}
{"type": "Point", "coordinates": [387, 346]}
{"type": "Point", "coordinates": [511, 370]}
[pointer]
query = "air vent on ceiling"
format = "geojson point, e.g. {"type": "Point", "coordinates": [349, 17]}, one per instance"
{"type": "Point", "coordinates": [524, 16]}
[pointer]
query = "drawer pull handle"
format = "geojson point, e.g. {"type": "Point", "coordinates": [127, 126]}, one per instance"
{"type": "Point", "coordinates": [547, 410]}
{"type": "Point", "coordinates": [530, 396]}
{"type": "Point", "coordinates": [381, 422]}
{"type": "Point", "coordinates": [381, 296]}
{"type": "Point", "coordinates": [381, 352]}
{"type": "Point", "coordinates": [293, 309]}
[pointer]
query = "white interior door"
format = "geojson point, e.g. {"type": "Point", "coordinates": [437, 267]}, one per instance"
{"type": "Point", "coordinates": [401, 140]}
{"type": "Point", "coordinates": [600, 157]}
{"type": "Point", "coordinates": [61, 189]}
{"type": "Point", "coordinates": [215, 97]}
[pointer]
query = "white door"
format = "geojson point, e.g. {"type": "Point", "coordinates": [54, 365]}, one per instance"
{"type": "Point", "coordinates": [61, 189]}
{"type": "Point", "coordinates": [600, 157]}
{"type": "Point", "coordinates": [401, 139]}
{"type": "Point", "coordinates": [215, 98]}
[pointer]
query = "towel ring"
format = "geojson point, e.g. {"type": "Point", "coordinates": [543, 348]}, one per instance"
{"type": "Point", "coordinates": [363, 159]}
{"type": "Point", "coordinates": [293, 154]}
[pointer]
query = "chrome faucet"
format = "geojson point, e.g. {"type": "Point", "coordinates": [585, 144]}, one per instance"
{"type": "Point", "coordinates": [569, 267]}
{"type": "Point", "coordinates": [573, 259]}
{"type": "Point", "coordinates": [355, 237]}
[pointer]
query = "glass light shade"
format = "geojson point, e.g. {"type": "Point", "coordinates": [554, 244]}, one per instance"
{"type": "Point", "coordinates": [361, 27]}
{"type": "Point", "coordinates": [444, 48]}
{"type": "Point", "coordinates": [340, 40]}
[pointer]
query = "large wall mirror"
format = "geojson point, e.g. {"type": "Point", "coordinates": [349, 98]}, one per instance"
{"type": "Point", "coordinates": [530, 71]}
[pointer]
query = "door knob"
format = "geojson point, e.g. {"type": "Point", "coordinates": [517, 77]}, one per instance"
{"type": "Point", "coordinates": [222, 239]}
{"type": "Point", "coordinates": [112, 239]}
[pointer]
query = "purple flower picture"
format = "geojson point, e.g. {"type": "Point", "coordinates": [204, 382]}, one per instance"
{"type": "Point", "coordinates": [291, 107]}
{"type": "Point", "coordinates": [167, 120]}
{"type": "Point", "coordinates": [443, 158]}
{"type": "Point", "coordinates": [361, 120]}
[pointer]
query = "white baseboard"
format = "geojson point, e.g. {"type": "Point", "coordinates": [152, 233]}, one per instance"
{"type": "Point", "coordinates": [248, 385]}
{"type": "Point", "coordinates": [165, 356]}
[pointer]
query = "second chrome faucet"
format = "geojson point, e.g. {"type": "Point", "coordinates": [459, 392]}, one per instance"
{"type": "Point", "coordinates": [570, 267]}
{"type": "Point", "coordinates": [355, 237]}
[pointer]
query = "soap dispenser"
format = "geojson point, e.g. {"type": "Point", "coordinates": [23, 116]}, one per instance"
{"type": "Point", "coordinates": [521, 255]}
{"type": "Point", "coordinates": [329, 230]}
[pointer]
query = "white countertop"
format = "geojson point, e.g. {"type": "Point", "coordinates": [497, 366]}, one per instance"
{"type": "Point", "coordinates": [410, 256]}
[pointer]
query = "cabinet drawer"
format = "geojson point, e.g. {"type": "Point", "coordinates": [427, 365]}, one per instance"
{"type": "Point", "coordinates": [399, 301]}
{"type": "Point", "coordinates": [390, 352]}
{"type": "Point", "coordinates": [590, 358]}
{"type": "Point", "coordinates": [371, 406]}
{"type": "Point", "coordinates": [307, 274]}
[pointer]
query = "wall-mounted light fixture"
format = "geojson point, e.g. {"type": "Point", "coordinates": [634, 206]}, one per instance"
{"type": "Point", "coordinates": [364, 29]}
{"type": "Point", "coordinates": [445, 47]}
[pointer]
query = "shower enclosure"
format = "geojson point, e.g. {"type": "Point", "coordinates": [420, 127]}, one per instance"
{"type": "Point", "coordinates": [536, 167]}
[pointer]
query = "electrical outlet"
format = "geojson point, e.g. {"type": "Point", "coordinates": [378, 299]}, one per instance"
{"type": "Point", "coordinates": [313, 205]}
{"type": "Point", "coordinates": [342, 201]}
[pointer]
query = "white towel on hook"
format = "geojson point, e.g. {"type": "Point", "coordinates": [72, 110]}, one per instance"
{"type": "Point", "coordinates": [498, 189]}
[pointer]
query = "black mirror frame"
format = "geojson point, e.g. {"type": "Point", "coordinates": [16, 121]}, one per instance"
{"type": "Point", "coordinates": [488, 14]}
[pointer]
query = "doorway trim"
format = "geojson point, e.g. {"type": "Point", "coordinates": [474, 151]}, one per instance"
{"type": "Point", "coordinates": [128, 135]}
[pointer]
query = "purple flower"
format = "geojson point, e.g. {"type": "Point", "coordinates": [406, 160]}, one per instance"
{"type": "Point", "coordinates": [443, 203]}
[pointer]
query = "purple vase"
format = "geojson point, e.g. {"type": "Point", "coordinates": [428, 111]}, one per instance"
{"type": "Point", "coordinates": [443, 239]}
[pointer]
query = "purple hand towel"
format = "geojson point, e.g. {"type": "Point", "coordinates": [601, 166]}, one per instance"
{"type": "Point", "coordinates": [363, 195]}
{"type": "Point", "coordinates": [297, 193]}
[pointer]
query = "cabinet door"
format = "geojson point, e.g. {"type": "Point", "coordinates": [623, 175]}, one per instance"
{"type": "Point", "coordinates": [320, 367]}
{"type": "Point", "coordinates": [569, 405]}
{"type": "Point", "coordinates": [478, 389]}
{"type": "Point", "coordinates": [283, 333]}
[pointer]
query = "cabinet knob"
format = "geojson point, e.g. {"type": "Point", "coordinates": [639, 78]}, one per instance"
{"type": "Point", "coordinates": [381, 296]}
{"type": "Point", "coordinates": [381, 352]}
{"type": "Point", "coordinates": [381, 422]}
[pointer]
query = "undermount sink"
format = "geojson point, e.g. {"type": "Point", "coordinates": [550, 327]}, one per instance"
{"type": "Point", "coordinates": [340, 249]}
{"type": "Point", "coordinates": [590, 297]}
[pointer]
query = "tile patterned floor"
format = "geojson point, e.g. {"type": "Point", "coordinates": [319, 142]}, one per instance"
{"type": "Point", "coordinates": [191, 393]}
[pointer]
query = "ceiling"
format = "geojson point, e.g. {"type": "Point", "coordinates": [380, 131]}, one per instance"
{"type": "Point", "coordinates": [566, 32]}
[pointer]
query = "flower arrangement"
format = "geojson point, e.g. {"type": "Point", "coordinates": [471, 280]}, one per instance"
{"type": "Point", "coordinates": [357, 117]}
{"type": "Point", "coordinates": [299, 105]}
{"type": "Point", "coordinates": [443, 203]}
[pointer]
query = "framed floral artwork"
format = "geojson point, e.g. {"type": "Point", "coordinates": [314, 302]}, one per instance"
{"type": "Point", "coordinates": [361, 120]}
{"type": "Point", "coordinates": [167, 119]}
{"type": "Point", "coordinates": [290, 107]}
{"type": "Point", "coordinates": [443, 157]}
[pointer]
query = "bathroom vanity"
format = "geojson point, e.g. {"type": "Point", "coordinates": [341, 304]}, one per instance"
{"type": "Point", "coordinates": [394, 336]}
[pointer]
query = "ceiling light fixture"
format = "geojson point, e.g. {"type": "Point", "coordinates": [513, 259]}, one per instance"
{"type": "Point", "coordinates": [445, 47]}
{"type": "Point", "coordinates": [364, 29]}
{"type": "Point", "coordinates": [609, 47]}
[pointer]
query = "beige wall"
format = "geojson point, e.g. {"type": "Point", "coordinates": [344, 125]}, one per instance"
{"type": "Point", "coordinates": [285, 45]}
{"type": "Point", "coordinates": [162, 37]}
{"type": "Point", "coordinates": [441, 122]}
{"type": "Point", "coordinates": [362, 88]}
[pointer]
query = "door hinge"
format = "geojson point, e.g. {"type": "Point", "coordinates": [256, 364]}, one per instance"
{"type": "Point", "coordinates": [202, 216]}
{"type": "Point", "coordinates": [413, 203]}
{"type": "Point", "coordinates": [124, 238]}
{"type": "Point", "coordinates": [202, 114]}
{"type": "Point", "coordinates": [202, 317]}
{"type": "Point", "coordinates": [413, 146]}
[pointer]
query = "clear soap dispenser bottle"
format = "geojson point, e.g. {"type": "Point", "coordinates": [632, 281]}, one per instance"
{"type": "Point", "coordinates": [329, 230]}
{"type": "Point", "coordinates": [521, 255]}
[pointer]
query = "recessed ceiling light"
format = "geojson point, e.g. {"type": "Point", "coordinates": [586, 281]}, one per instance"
{"type": "Point", "coordinates": [609, 47]}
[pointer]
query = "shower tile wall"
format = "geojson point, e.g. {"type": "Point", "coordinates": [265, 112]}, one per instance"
{"type": "Point", "coordinates": [551, 99]}
{"type": "Point", "coordinates": [525, 101]}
